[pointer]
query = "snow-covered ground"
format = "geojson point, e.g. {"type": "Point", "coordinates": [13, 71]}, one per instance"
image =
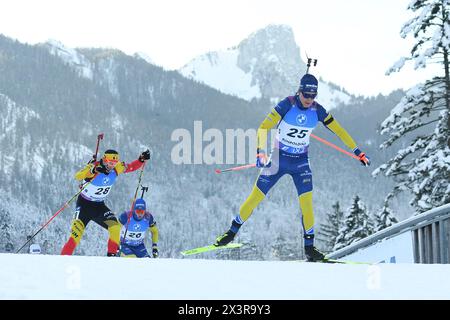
{"type": "Point", "coordinates": [75, 277]}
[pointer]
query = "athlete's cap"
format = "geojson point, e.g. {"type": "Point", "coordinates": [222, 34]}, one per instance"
{"type": "Point", "coordinates": [111, 155]}
{"type": "Point", "coordinates": [139, 204]}
{"type": "Point", "coordinates": [308, 83]}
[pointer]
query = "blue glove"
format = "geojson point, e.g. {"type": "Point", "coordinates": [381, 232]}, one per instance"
{"type": "Point", "coordinates": [365, 160]}
{"type": "Point", "coordinates": [262, 161]}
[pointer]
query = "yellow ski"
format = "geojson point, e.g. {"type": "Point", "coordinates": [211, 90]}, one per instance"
{"type": "Point", "coordinates": [210, 248]}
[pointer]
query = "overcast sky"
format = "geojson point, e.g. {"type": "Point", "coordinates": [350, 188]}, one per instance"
{"type": "Point", "coordinates": [356, 41]}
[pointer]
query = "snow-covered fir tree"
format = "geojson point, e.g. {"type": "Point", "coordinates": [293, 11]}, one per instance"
{"type": "Point", "coordinates": [6, 240]}
{"type": "Point", "coordinates": [385, 217]}
{"type": "Point", "coordinates": [357, 225]}
{"type": "Point", "coordinates": [423, 167]}
{"type": "Point", "coordinates": [329, 230]}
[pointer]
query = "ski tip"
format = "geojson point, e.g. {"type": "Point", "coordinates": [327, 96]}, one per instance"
{"type": "Point", "coordinates": [217, 171]}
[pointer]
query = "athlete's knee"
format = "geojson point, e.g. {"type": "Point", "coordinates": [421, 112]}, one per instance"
{"type": "Point", "coordinates": [77, 230]}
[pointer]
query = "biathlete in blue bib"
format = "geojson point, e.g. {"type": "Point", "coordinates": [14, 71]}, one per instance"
{"type": "Point", "coordinates": [295, 118]}
{"type": "Point", "coordinates": [134, 229]}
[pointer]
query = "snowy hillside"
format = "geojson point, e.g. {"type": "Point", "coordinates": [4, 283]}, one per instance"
{"type": "Point", "coordinates": [220, 71]}
{"type": "Point", "coordinates": [71, 57]}
{"type": "Point", "coordinates": [266, 64]}
{"type": "Point", "coordinates": [63, 277]}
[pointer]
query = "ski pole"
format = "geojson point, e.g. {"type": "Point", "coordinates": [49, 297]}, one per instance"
{"type": "Point", "coordinates": [312, 135]}
{"type": "Point", "coordinates": [239, 168]}
{"type": "Point", "coordinates": [132, 206]}
{"type": "Point", "coordinates": [236, 168]}
{"type": "Point", "coordinates": [334, 146]}
{"type": "Point", "coordinates": [54, 216]}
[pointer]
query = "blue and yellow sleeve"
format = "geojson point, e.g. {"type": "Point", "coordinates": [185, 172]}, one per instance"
{"type": "Point", "coordinates": [155, 232]}
{"type": "Point", "coordinates": [271, 120]}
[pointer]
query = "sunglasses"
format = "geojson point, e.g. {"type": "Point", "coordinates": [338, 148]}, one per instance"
{"type": "Point", "coordinates": [309, 95]}
{"type": "Point", "coordinates": [111, 163]}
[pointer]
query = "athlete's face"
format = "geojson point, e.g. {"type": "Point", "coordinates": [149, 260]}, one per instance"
{"type": "Point", "coordinates": [140, 213]}
{"type": "Point", "coordinates": [307, 98]}
{"type": "Point", "coordinates": [110, 164]}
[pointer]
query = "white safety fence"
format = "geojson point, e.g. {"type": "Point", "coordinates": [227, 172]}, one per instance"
{"type": "Point", "coordinates": [423, 238]}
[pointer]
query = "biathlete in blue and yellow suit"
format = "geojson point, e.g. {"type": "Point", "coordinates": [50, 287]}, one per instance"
{"type": "Point", "coordinates": [91, 201]}
{"type": "Point", "coordinates": [295, 118]}
{"type": "Point", "coordinates": [135, 225]}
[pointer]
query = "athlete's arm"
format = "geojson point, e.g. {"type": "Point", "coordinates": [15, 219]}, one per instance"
{"type": "Point", "coordinates": [271, 120]}
{"type": "Point", "coordinates": [123, 219]}
{"type": "Point", "coordinates": [123, 167]}
{"type": "Point", "coordinates": [155, 233]}
{"type": "Point", "coordinates": [85, 173]}
{"type": "Point", "coordinates": [338, 130]}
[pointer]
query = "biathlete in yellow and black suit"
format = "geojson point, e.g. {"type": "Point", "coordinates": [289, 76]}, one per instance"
{"type": "Point", "coordinates": [295, 118]}
{"type": "Point", "coordinates": [91, 201]}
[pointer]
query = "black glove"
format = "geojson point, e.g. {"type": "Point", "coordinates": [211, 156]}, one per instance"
{"type": "Point", "coordinates": [144, 156]}
{"type": "Point", "coordinates": [155, 250]}
{"type": "Point", "coordinates": [100, 168]}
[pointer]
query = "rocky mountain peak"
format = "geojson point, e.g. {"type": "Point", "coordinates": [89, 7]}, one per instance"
{"type": "Point", "coordinates": [278, 64]}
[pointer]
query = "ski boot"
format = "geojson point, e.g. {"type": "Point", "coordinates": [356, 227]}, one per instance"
{"type": "Point", "coordinates": [112, 254]}
{"type": "Point", "coordinates": [228, 236]}
{"type": "Point", "coordinates": [313, 255]}
{"type": "Point", "coordinates": [225, 239]}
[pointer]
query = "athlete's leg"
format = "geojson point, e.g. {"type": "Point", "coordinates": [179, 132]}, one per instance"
{"type": "Point", "coordinates": [127, 252]}
{"type": "Point", "coordinates": [141, 251]}
{"type": "Point", "coordinates": [108, 220]}
{"type": "Point", "coordinates": [265, 181]}
{"type": "Point", "coordinates": [81, 219]}
{"type": "Point", "coordinates": [303, 182]}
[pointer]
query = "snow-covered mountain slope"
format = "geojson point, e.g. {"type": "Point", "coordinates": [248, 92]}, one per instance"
{"type": "Point", "coordinates": [220, 71]}
{"type": "Point", "coordinates": [265, 65]}
{"type": "Point", "coordinates": [144, 56]}
{"type": "Point", "coordinates": [14, 118]}
{"type": "Point", "coordinates": [75, 277]}
{"type": "Point", "coordinates": [71, 57]}
{"type": "Point", "coordinates": [100, 68]}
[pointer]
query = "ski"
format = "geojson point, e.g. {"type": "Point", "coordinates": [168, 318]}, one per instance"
{"type": "Point", "coordinates": [346, 261]}
{"type": "Point", "coordinates": [336, 261]}
{"type": "Point", "coordinates": [210, 248]}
